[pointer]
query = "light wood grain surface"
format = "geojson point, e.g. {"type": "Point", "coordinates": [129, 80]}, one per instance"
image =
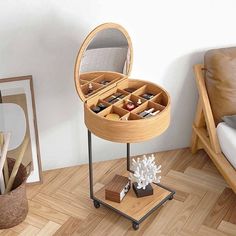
{"type": "Point", "coordinates": [133, 206]}
{"type": "Point", "coordinates": [203, 203]}
{"type": "Point", "coordinates": [135, 129]}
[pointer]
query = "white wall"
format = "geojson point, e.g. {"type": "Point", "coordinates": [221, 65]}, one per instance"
{"type": "Point", "coordinates": [42, 38]}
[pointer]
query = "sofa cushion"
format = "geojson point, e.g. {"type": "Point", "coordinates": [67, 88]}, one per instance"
{"type": "Point", "coordinates": [230, 120]}
{"type": "Point", "coordinates": [227, 140]}
{"type": "Point", "coordinates": [220, 77]}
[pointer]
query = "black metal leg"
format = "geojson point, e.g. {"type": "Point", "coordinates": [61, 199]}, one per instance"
{"type": "Point", "coordinates": [90, 164]}
{"type": "Point", "coordinates": [0, 96]}
{"type": "Point", "coordinates": [128, 156]}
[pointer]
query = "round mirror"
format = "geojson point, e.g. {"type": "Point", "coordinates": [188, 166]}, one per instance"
{"type": "Point", "coordinates": [104, 58]}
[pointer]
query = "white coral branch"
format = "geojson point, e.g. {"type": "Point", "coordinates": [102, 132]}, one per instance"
{"type": "Point", "coordinates": [145, 171]}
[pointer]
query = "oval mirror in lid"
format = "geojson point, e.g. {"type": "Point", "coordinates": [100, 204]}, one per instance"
{"type": "Point", "coordinates": [104, 58]}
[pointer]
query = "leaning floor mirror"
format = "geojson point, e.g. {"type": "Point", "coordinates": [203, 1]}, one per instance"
{"type": "Point", "coordinates": [18, 117]}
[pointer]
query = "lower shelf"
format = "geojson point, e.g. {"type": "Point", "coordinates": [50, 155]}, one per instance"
{"type": "Point", "coordinates": [133, 208]}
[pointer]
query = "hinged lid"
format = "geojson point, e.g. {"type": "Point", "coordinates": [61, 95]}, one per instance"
{"type": "Point", "coordinates": [104, 58]}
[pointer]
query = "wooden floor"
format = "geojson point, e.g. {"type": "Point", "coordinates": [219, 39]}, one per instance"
{"type": "Point", "coordinates": [203, 204]}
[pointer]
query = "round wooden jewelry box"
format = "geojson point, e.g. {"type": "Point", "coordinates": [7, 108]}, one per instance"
{"type": "Point", "coordinates": [102, 70]}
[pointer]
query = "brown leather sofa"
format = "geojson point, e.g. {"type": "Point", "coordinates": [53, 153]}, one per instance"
{"type": "Point", "coordinates": [220, 77]}
{"type": "Point", "coordinates": [216, 83]}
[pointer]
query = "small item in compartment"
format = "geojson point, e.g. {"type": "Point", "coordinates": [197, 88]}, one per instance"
{"type": "Point", "coordinates": [90, 88]}
{"type": "Point", "coordinates": [124, 118]}
{"type": "Point", "coordinates": [147, 96]}
{"type": "Point", "coordinates": [104, 82]}
{"type": "Point", "coordinates": [129, 105]}
{"type": "Point", "coordinates": [152, 114]}
{"type": "Point", "coordinates": [130, 90]}
{"type": "Point", "coordinates": [102, 106]}
{"type": "Point", "coordinates": [146, 112]}
{"type": "Point", "coordinates": [98, 108]}
{"type": "Point", "coordinates": [118, 98]}
{"type": "Point", "coordinates": [111, 98]}
{"type": "Point", "coordinates": [139, 102]}
{"type": "Point", "coordinates": [115, 97]}
{"type": "Point", "coordinates": [117, 189]}
{"type": "Point", "coordinates": [113, 116]}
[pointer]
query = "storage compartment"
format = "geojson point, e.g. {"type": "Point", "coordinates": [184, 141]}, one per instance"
{"type": "Point", "coordinates": [161, 99]}
{"type": "Point", "coordinates": [131, 116]}
{"type": "Point", "coordinates": [117, 113]}
{"type": "Point", "coordinates": [131, 86]}
{"type": "Point", "coordinates": [90, 76]}
{"type": "Point", "coordinates": [131, 99]}
{"type": "Point", "coordinates": [116, 96]}
{"type": "Point", "coordinates": [148, 92]}
{"type": "Point", "coordinates": [100, 106]}
{"type": "Point", "coordinates": [106, 79]}
{"type": "Point", "coordinates": [149, 110]}
{"type": "Point", "coordinates": [101, 79]}
{"type": "Point", "coordinates": [90, 88]}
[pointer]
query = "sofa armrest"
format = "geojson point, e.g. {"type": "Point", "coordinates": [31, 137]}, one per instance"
{"type": "Point", "coordinates": [211, 127]}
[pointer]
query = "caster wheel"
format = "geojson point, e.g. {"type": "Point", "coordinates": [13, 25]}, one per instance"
{"type": "Point", "coordinates": [171, 197]}
{"type": "Point", "coordinates": [96, 204]}
{"type": "Point", "coordinates": [135, 226]}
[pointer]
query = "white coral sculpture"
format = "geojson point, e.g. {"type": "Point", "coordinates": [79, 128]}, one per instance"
{"type": "Point", "coordinates": [145, 171]}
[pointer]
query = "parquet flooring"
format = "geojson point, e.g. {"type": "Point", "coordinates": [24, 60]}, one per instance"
{"type": "Point", "coordinates": [203, 203]}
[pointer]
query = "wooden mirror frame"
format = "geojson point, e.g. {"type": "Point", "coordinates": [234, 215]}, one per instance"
{"type": "Point", "coordinates": [86, 43]}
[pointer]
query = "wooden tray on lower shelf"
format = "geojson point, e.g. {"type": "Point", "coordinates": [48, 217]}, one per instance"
{"type": "Point", "coordinates": [137, 209]}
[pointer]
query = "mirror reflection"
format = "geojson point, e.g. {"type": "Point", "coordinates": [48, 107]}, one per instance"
{"type": "Point", "coordinates": [105, 60]}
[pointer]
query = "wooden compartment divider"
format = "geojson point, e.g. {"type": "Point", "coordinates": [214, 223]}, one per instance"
{"type": "Point", "coordinates": [148, 89]}
{"type": "Point", "coordinates": [90, 76]}
{"type": "Point", "coordinates": [96, 87]}
{"type": "Point", "coordinates": [100, 101]}
{"type": "Point", "coordinates": [140, 108]}
{"type": "Point", "coordinates": [111, 79]}
{"type": "Point", "coordinates": [132, 98]}
{"type": "Point", "coordinates": [83, 82]}
{"type": "Point", "coordinates": [113, 109]}
{"type": "Point", "coordinates": [161, 99]}
{"type": "Point", "coordinates": [142, 88]}
{"type": "Point", "coordinates": [131, 116]}
{"type": "Point", "coordinates": [131, 84]}
{"type": "Point", "coordinates": [117, 91]}
{"type": "Point", "coordinates": [148, 105]}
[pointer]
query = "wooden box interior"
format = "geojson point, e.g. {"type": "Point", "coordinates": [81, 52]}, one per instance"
{"type": "Point", "coordinates": [119, 83]}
